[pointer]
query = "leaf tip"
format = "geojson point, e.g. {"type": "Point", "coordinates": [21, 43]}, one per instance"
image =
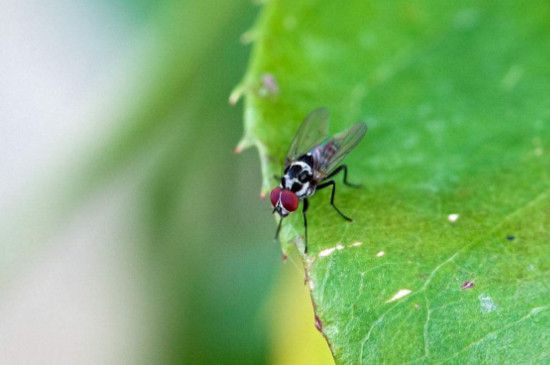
{"type": "Point", "coordinates": [243, 144]}
{"type": "Point", "coordinates": [236, 94]}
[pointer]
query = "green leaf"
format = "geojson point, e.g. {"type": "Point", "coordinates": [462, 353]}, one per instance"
{"type": "Point", "coordinates": [447, 258]}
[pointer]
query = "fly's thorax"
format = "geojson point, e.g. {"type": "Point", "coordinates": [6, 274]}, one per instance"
{"type": "Point", "coordinates": [298, 178]}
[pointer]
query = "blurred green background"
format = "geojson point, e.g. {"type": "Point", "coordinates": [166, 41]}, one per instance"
{"type": "Point", "coordinates": [133, 234]}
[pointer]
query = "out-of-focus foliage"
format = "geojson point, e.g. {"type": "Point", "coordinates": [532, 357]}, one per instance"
{"type": "Point", "coordinates": [207, 241]}
{"type": "Point", "coordinates": [447, 259]}
{"type": "Point", "coordinates": [294, 341]}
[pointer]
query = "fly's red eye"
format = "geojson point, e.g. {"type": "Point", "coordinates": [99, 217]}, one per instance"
{"type": "Point", "coordinates": [275, 196]}
{"type": "Point", "coordinates": [289, 200]}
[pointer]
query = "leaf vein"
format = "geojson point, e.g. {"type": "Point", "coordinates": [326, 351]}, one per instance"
{"type": "Point", "coordinates": [531, 313]}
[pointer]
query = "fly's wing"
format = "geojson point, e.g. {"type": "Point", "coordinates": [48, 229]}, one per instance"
{"type": "Point", "coordinates": [312, 132]}
{"type": "Point", "coordinates": [332, 152]}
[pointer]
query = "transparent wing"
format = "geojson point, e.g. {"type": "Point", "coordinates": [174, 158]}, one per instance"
{"type": "Point", "coordinates": [329, 155]}
{"type": "Point", "coordinates": [312, 132]}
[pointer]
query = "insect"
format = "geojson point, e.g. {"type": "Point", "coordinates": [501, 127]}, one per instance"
{"type": "Point", "coordinates": [311, 163]}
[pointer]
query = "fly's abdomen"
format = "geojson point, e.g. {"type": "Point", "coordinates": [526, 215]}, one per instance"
{"type": "Point", "coordinates": [327, 151]}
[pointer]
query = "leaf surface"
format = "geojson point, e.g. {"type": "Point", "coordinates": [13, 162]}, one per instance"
{"type": "Point", "coordinates": [448, 255]}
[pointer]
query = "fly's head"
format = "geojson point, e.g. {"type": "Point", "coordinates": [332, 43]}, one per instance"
{"type": "Point", "coordinates": [284, 201]}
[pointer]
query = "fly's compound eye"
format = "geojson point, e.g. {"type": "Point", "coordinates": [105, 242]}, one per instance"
{"type": "Point", "coordinates": [275, 196]}
{"type": "Point", "coordinates": [303, 176]}
{"type": "Point", "coordinates": [289, 200]}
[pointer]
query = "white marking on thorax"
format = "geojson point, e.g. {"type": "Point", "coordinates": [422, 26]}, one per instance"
{"type": "Point", "coordinates": [306, 189]}
{"type": "Point", "coordinates": [304, 166]}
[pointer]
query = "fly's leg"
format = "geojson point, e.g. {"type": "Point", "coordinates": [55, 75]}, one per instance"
{"type": "Point", "coordinates": [278, 228]}
{"type": "Point", "coordinates": [304, 210]}
{"type": "Point", "coordinates": [345, 169]}
{"type": "Point", "coordinates": [333, 184]}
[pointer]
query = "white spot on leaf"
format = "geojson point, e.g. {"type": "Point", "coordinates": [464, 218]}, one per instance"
{"type": "Point", "coordinates": [400, 294]}
{"type": "Point", "coordinates": [290, 22]}
{"type": "Point", "coordinates": [466, 18]}
{"type": "Point", "coordinates": [538, 144]}
{"type": "Point", "coordinates": [487, 304]}
{"type": "Point", "coordinates": [367, 39]}
{"type": "Point", "coordinates": [380, 254]}
{"type": "Point", "coordinates": [339, 246]}
{"type": "Point", "coordinates": [327, 252]}
{"type": "Point", "coordinates": [453, 217]}
{"type": "Point", "coordinates": [512, 77]}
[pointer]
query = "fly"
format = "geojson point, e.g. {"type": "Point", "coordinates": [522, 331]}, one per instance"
{"type": "Point", "coordinates": [311, 163]}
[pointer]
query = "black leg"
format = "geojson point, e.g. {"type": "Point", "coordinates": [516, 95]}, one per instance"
{"type": "Point", "coordinates": [278, 228]}
{"type": "Point", "coordinates": [304, 210]}
{"type": "Point", "coordinates": [329, 183]}
{"type": "Point", "coordinates": [345, 169]}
